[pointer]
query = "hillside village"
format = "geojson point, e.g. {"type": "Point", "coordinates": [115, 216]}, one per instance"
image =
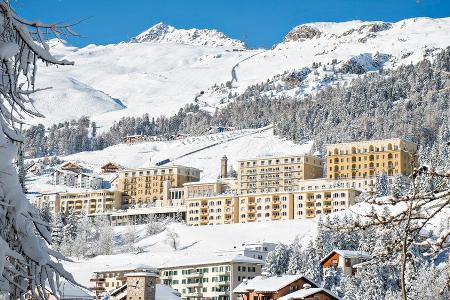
{"type": "Point", "coordinates": [262, 189]}
{"type": "Point", "coordinates": [189, 164]}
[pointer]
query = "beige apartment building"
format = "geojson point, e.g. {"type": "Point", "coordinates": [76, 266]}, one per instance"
{"type": "Point", "coordinates": [91, 202]}
{"type": "Point", "coordinates": [366, 158]}
{"type": "Point", "coordinates": [210, 277]}
{"type": "Point", "coordinates": [204, 189]}
{"type": "Point", "coordinates": [311, 204]}
{"type": "Point", "coordinates": [276, 174]}
{"type": "Point", "coordinates": [52, 200]}
{"type": "Point", "coordinates": [151, 186]}
{"type": "Point", "coordinates": [112, 278]}
{"type": "Point", "coordinates": [269, 206]}
{"type": "Point", "coordinates": [265, 207]}
{"type": "Point", "coordinates": [362, 184]}
{"type": "Point", "coordinates": [212, 210]}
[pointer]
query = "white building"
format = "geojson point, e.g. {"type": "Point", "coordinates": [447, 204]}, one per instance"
{"type": "Point", "coordinates": [256, 250]}
{"type": "Point", "coordinates": [212, 277]}
{"type": "Point", "coordinates": [64, 177]}
{"type": "Point", "coordinates": [52, 200]}
{"type": "Point", "coordinates": [88, 181]}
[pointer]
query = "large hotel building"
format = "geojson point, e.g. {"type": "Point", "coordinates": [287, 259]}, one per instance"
{"type": "Point", "coordinates": [276, 174]}
{"type": "Point", "coordinates": [365, 159]}
{"type": "Point", "coordinates": [266, 189]}
{"type": "Point", "coordinates": [151, 186]}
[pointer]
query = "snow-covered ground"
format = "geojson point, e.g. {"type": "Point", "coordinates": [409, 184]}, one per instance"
{"type": "Point", "coordinates": [170, 68]}
{"type": "Point", "coordinates": [196, 244]}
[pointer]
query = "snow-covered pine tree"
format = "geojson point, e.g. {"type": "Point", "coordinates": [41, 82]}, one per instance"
{"type": "Point", "coordinates": [58, 230]}
{"type": "Point", "coordinates": [382, 184]}
{"type": "Point", "coordinates": [399, 186]}
{"type": "Point", "coordinates": [46, 214]}
{"type": "Point", "coordinates": [350, 287]}
{"type": "Point", "coordinates": [277, 261]}
{"type": "Point", "coordinates": [295, 257]}
{"type": "Point", "coordinates": [71, 225]}
{"type": "Point", "coordinates": [26, 262]}
{"type": "Point", "coordinates": [312, 267]}
{"type": "Point", "coordinates": [105, 236]}
{"type": "Point", "coordinates": [332, 280]}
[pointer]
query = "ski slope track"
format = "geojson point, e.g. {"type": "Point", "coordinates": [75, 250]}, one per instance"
{"type": "Point", "coordinates": [164, 68]}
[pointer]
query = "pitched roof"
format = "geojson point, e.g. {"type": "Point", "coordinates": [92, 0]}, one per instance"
{"type": "Point", "coordinates": [347, 254]}
{"type": "Point", "coordinates": [303, 293]}
{"type": "Point", "coordinates": [269, 284]}
{"type": "Point", "coordinates": [195, 260]}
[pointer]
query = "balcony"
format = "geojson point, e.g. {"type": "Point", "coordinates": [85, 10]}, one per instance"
{"type": "Point", "coordinates": [251, 218]}
{"type": "Point", "coordinates": [97, 279]}
{"type": "Point", "coordinates": [194, 284]}
{"type": "Point", "coordinates": [224, 273]}
{"type": "Point", "coordinates": [194, 295]}
{"type": "Point", "coordinates": [194, 275]}
{"type": "Point", "coordinates": [224, 283]}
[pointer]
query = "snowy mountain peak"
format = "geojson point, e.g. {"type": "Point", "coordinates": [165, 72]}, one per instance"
{"type": "Point", "coordinates": [163, 33]}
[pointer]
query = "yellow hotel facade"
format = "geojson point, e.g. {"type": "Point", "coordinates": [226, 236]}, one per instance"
{"type": "Point", "coordinates": [276, 174]}
{"type": "Point", "coordinates": [151, 186]}
{"type": "Point", "coordinates": [366, 158]}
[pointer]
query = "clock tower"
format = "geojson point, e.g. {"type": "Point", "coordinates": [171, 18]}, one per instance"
{"type": "Point", "coordinates": [141, 285]}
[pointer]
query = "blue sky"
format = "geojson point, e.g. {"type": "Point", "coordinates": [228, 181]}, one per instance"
{"type": "Point", "coordinates": [258, 23]}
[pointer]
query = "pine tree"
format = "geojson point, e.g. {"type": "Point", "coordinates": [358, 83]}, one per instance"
{"type": "Point", "coordinates": [46, 214]}
{"type": "Point", "coordinates": [277, 261]}
{"type": "Point", "coordinates": [382, 184]}
{"type": "Point", "coordinates": [58, 230]}
{"type": "Point", "coordinates": [295, 257]}
{"type": "Point", "coordinates": [105, 236]}
{"type": "Point", "coordinates": [332, 280]}
{"type": "Point", "coordinates": [71, 227]}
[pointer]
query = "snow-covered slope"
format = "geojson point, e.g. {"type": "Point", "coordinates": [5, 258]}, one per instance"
{"type": "Point", "coordinates": [175, 66]}
{"type": "Point", "coordinates": [203, 152]}
{"type": "Point", "coordinates": [163, 33]}
{"type": "Point", "coordinates": [196, 244]}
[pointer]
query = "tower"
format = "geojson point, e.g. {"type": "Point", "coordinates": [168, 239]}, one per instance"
{"type": "Point", "coordinates": [224, 167]}
{"type": "Point", "coordinates": [141, 285]}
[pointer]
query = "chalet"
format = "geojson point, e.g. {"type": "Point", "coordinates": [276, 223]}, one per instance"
{"type": "Point", "coordinates": [345, 260]}
{"type": "Point", "coordinates": [110, 168]}
{"type": "Point", "coordinates": [271, 288]}
{"type": "Point", "coordinates": [133, 139]}
{"type": "Point", "coordinates": [309, 293]}
{"type": "Point", "coordinates": [35, 168]}
{"type": "Point", "coordinates": [71, 166]}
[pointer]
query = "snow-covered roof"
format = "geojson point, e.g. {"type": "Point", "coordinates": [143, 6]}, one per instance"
{"type": "Point", "coordinates": [269, 284]}
{"type": "Point", "coordinates": [203, 182]}
{"type": "Point", "coordinates": [128, 267]}
{"type": "Point", "coordinates": [141, 274]}
{"type": "Point", "coordinates": [65, 172]}
{"type": "Point", "coordinates": [164, 292]}
{"type": "Point", "coordinates": [189, 260]}
{"type": "Point", "coordinates": [304, 293]}
{"type": "Point", "coordinates": [347, 254]}
{"type": "Point", "coordinates": [263, 157]}
{"type": "Point", "coordinates": [68, 290]}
